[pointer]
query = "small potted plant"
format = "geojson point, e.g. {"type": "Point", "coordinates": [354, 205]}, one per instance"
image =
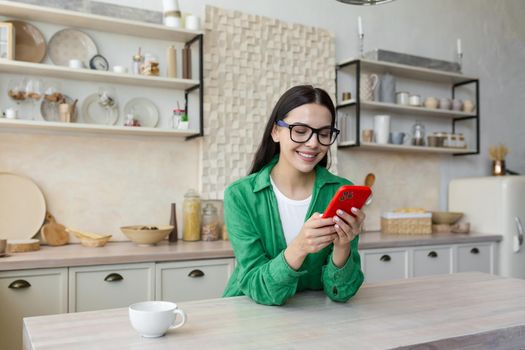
{"type": "Point", "coordinates": [184, 122]}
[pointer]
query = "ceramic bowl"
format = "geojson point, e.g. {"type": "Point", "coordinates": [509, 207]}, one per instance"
{"type": "Point", "coordinates": [445, 217]}
{"type": "Point", "coordinates": [146, 235]}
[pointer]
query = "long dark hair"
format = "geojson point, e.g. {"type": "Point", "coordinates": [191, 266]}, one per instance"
{"type": "Point", "coordinates": [293, 98]}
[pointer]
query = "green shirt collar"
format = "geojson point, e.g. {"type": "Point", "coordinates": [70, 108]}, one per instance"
{"type": "Point", "coordinates": [262, 178]}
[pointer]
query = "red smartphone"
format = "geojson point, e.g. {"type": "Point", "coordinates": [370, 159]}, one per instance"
{"type": "Point", "coordinates": [346, 198]}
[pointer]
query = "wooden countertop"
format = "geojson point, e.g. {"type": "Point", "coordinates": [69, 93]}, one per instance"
{"type": "Point", "coordinates": [471, 310]}
{"type": "Point", "coordinates": [128, 252]}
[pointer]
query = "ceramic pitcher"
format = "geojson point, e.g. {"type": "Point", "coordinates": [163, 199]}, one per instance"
{"type": "Point", "coordinates": [387, 88]}
{"type": "Point", "coordinates": [369, 83]}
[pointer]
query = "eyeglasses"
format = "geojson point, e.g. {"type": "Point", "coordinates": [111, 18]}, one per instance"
{"type": "Point", "coordinates": [301, 133]}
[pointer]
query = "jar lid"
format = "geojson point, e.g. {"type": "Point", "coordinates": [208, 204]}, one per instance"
{"type": "Point", "coordinates": [191, 194]}
{"type": "Point", "coordinates": [210, 209]}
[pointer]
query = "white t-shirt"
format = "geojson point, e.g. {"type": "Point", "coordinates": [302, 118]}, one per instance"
{"type": "Point", "coordinates": [292, 212]}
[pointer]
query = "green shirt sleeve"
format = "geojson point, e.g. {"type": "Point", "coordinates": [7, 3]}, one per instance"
{"type": "Point", "coordinates": [340, 284]}
{"type": "Point", "coordinates": [266, 281]}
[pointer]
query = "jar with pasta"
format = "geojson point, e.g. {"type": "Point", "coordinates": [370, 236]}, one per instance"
{"type": "Point", "coordinates": [210, 223]}
{"type": "Point", "coordinates": [191, 218]}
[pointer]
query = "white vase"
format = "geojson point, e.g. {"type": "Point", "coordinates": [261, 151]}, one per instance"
{"type": "Point", "coordinates": [382, 128]}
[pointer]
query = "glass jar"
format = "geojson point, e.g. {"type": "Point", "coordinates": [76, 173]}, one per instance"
{"type": "Point", "coordinates": [418, 134]}
{"type": "Point", "coordinates": [191, 217]}
{"type": "Point", "coordinates": [210, 227]}
{"type": "Point", "coordinates": [150, 66]}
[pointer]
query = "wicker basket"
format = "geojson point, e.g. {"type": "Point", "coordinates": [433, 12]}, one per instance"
{"type": "Point", "coordinates": [406, 223]}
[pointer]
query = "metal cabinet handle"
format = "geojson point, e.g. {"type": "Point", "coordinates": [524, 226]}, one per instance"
{"type": "Point", "coordinates": [474, 251]}
{"type": "Point", "coordinates": [385, 258]}
{"type": "Point", "coordinates": [19, 284]}
{"type": "Point", "coordinates": [432, 254]}
{"type": "Point", "coordinates": [113, 277]}
{"type": "Point", "coordinates": [196, 273]}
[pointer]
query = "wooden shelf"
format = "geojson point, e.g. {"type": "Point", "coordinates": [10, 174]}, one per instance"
{"type": "Point", "coordinates": [405, 148]}
{"type": "Point", "coordinates": [95, 22]}
{"type": "Point", "coordinates": [410, 72]}
{"type": "Point", "coordinates": [43, 126]}
{"type": "Point", "coordinates": [346, 104]}
{"type": "Point", "coordinates": [18, 67]}
{"type": "Point", "coordinates": [382, 106]}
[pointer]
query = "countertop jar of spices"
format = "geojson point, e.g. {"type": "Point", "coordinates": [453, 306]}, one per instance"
{"type": "Point", "coordinates": [210, 223]}
{"type": "Point", "coordinates": [191, 217]}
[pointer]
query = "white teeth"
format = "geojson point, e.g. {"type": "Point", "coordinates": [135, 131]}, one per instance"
{"type": "Point", "coordinates": [306, 155]}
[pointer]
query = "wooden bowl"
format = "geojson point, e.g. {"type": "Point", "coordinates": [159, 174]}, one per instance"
{"type": "Point", "coordinates": [445, 217]}
{"type": "Point", "coordinates": [89, 239]}
{"type": "Point", "coordinates": [146, 235]}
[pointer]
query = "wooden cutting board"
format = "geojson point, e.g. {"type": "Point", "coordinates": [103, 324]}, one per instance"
{"type": "Point", "coordinates": [53, 233]}
{"type": "Point", "coordinates": [22, 245]}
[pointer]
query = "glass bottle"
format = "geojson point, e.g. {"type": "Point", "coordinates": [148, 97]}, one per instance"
{"type": "Point", "coordinates": [191, 217]}
{"type": "Point", "coordinates": [210, 229]}
{"type": "Point", "coordinates": [418, 134]}
{"type": "Point", "coordinates": [136, 62]}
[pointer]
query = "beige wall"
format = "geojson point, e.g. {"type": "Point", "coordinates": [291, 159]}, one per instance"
{"type": "Point", "coordinates": [99, 183]}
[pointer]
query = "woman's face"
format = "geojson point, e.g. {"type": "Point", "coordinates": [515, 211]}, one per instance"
{"type": "Point", "coordinates": [303, 156]}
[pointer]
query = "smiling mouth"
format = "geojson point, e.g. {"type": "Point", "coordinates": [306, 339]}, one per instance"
{"type": "Point", "coordinates": [307, 156]}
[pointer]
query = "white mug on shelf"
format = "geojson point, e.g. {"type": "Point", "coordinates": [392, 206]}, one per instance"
{"type": "Point", "coordinates": [192, 22]}
{"type": "Point", "coordinates": [382, 128]}
{"type": "Point", "coordinates": [76, 64]}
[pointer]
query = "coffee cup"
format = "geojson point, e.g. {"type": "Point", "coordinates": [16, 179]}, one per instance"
{"type": "Point", "coordinates": [414, 100]}
{"type": "Point", "coordinates": [468, 106]}
{"type": "Point", "coordinates": [444, 103]}
{"type": "Point", "coordinates": [397, 138]}
{"type": "Point", "coordinates": [11, 113]}
{"type": "Point", "coordinates": [430, 102]}
{"type": "Point", "coordinates": [152, 319]}
{"type": "Point", "coordinates": [192, 22]}
{"type": "Point", "coordinates": [120, 69]}
{"type": "Point", "coordinates": [76, 64]}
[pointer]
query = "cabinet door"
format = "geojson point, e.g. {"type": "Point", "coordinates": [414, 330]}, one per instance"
{"type": "Point", "coordinates": [432, 261]}
{"type": "Point", "coordinates": [27, 293]}
{"type": "Point", "coordinates": [384, 265]}
{"type": "Point", "coordinates": [475, 257]}
{"type": "Point", "coordinates": [192, 280]}
{"type": "Point", "coordinates": [110, 286]}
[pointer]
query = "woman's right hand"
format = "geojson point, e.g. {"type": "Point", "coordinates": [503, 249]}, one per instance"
{"type": "Point", "coordinates": [316, 234]}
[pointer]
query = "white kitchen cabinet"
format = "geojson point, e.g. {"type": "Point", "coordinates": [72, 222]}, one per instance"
{"type": "Point", "coordinates": [476, 257]}
{"type": "Point", "coordinates": [192, 280]}
{"type": "Point", "coordinates": [383, 265]}
{"type": "Point", "coordinates": [432, 261]}
{"type": "Point", "coordinates": [110, 286]}
{"type": "Point", "coordinates": [27, 293]}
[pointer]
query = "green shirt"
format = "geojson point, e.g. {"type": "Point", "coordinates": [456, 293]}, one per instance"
{"type": "Point", "coordinates": [255, 231]}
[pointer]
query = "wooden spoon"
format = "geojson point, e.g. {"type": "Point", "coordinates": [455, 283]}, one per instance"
{"type": "Point", "coordinates": [370, 179]}
{"type": "Point", "coordinates": [52, 233]}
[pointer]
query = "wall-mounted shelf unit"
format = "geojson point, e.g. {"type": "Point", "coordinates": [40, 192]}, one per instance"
{"type": "Point", "coordinates": [74, 19]}
{"type": "Point", "coordinates": [452, 80]}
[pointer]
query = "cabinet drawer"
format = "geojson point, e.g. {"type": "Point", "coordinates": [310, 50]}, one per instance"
{"type": "Point", "coordinates": [475, 258]}
{"type": "Point", "coordinates": [192, 280]}
{"type": "Point", "coordinates": [110, 286]}
{"type": "Point", "coordinates": [385, 265]}
{"type": "Point", "coordinates": [432, 261]}
{"type": "Point", "coordinates": [29, 293]}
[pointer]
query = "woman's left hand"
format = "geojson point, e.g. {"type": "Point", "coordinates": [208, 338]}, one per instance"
{"type": "Point", "coordinates": [347, 226]}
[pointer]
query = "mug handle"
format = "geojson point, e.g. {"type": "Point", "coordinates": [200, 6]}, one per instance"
{"type": "Point", "coordinates": [182, 322]}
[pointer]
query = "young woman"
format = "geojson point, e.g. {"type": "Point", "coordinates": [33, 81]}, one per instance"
{"type": "Point", "coordinates": [281, 242]}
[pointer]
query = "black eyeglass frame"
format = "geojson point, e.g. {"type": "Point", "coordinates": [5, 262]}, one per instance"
{"type": "Point", "coordinates": [284, 124]}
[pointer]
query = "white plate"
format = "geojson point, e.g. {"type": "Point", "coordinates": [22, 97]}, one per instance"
{"type": "Point", "coordinates": [22, 207]}
{"type": "Point", "coordinates": [143, 110]}
{"type": "Point", "coordinates": [69, 44]}
{"type": "Point", "coordinates": [94, 113]}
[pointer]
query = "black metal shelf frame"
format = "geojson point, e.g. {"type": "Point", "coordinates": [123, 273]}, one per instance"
{"type": "Point", "coordinates": [357, 104]}
{"type": "Point", "coordinates": [200, 86]}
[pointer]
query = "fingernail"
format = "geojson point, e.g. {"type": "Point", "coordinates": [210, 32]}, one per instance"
{"type": "Point", "coordinates": [336, 226]}
{"type": "Point", "coordinates": [336, 218]}
{"type": "Point", "coordinates": [354, 210]}
{"type": "Point", "coordinates": [340, 212]}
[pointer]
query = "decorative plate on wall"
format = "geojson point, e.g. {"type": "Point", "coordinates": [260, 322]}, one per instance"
{"type": "Point", "coordinates": [143, 110]}
{"type": "Point", "coordinates": [94, 113]}
{"type": "Point", "coordinates": [69, 44]}
{"type": "Point", "coordinates": [30, 44]}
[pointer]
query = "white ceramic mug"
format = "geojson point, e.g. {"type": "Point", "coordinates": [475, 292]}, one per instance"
{"type": "Point", "coordinates": [192, 22]}
{"type": "Point", "coordinates": [76, 64]}
{"type": "Point", "coordinates": [120, 69]}
{"type": "Point", "coordinates": [152, 319]}
{"type": "Point", "coordinates": [382, 128]}
{"type": "Point", "coordinates": [11, 113]}
{"type": "Point", "coordinates": [368, 85]}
